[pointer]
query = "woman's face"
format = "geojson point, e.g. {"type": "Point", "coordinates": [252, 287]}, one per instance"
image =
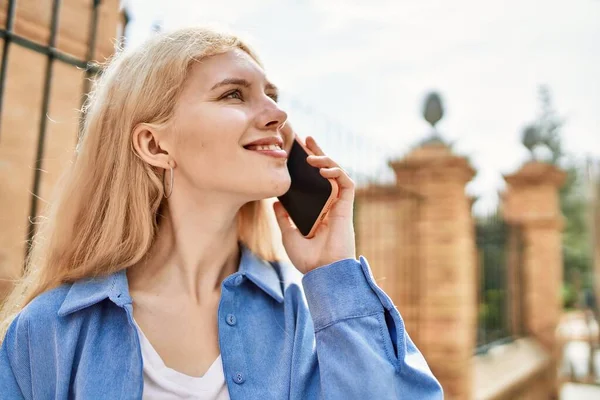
{"type": "Point", "coordinates": [226, 104]}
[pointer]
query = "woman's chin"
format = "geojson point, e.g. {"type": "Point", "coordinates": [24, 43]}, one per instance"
{"type": "Point", "coordinates": [278, 187]}
{"type": "Point", "coordinates": [282, 188]}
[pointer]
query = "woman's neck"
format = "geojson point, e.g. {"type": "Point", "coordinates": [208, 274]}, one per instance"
{"type": "Point", "coordinates": [190, 257]}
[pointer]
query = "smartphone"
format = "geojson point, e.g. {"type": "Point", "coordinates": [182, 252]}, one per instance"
{"type": "Point", "coordinates": [310, 195]}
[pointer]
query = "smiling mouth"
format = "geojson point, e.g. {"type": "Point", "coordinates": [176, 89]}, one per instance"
{"type": "Point", "coordinates": [263, 147]}
{"type": "Point", "coordinates": [271, 150]}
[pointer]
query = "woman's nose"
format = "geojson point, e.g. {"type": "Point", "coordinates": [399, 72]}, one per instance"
{"type": "Point", "coordinates": [272, 117]}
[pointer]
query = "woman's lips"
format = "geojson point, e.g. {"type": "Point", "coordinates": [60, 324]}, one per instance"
{"type": "Point", "coordinates": [272, 150]}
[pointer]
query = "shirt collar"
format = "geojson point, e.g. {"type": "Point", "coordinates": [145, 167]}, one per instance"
{"type": "Point", "coordinates": [89, 291]}
{"type": "Point", "coordinates": [264, 274]}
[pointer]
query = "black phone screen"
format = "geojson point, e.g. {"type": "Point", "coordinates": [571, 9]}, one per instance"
{"type": "Point", "coordinates": [308, 192]}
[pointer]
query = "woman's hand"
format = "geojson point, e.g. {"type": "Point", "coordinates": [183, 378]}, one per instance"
{"type": "Point", "coordinates": [334, 238]}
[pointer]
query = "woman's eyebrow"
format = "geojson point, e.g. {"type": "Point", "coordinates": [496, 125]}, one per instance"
{"type": "Point", "coordinates": [270, 86]}
{"type": "Point", "coordinates": [241, 82]}
{"type": "Point", "coordinates": [231, 81]}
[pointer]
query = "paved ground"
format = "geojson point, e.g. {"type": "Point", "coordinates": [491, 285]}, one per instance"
{"type": "Point", "coordinates": [574, 391]}
{"type": "Point", "coordinates": [576, 332]}
{"type": "Point", "coordinates": [576, 360]}
{"type": "Point", "coordinates": [576, 357]}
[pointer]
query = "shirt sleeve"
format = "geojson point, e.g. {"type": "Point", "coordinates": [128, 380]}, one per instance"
{"type": "Point", "coordinates": [13, 363]}
{"type": "Point", "coordinates": [363, 349]}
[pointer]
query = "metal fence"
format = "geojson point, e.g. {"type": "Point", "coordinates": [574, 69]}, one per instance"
{"type": "Point", "coordinates": [499, 259]}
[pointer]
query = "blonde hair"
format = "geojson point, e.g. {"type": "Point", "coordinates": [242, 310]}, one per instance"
{"type": "Point", "coordinates": [103, 214]}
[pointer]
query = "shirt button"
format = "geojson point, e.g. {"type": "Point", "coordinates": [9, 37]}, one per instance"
{"type": "Point", "coordinates": [239, 378]}
{"type": "Point", "coordinates": [231, 319]}
{"type": "Point", "coordinates": [238, 280]}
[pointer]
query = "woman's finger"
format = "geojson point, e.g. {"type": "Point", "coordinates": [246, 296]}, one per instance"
{"type": "Point", "coordinates": [313, 146]}
{"type": "Point", "coordinates": [321, 162]}
{"type": "Point", "coordinates": [346, 184]}
{"type": "Point", "coordinates": [330, 169]}
{"type": "Point", "coordinates": [286, 224]}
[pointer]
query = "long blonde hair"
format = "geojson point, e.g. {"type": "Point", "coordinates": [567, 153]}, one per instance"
{"type": "Point", "coordinates": [102, 217]}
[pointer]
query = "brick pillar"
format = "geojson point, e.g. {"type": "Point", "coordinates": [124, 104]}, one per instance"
{"type": "Point", "coordinates": [22, 109]}
{"type": "Point", "coordinates": [532, 201]}
{"type": "Point", "coordinates": [386, 224]}
{"type": "Point", "coordinates": [447, 268]}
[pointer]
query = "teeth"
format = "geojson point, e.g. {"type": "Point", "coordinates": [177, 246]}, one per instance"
{"type": "Point", "coordinates": [268, 147]}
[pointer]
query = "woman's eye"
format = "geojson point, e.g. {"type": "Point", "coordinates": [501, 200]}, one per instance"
{"type": "Point", "coordinates": [273, 96]}
{"type": "Point", "coordinates": [236, 94]}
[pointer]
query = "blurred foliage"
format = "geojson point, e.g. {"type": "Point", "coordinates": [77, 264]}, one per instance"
{"type": "Point", "coordinates": [576, 244]}
{"type": "Point", "coordinates": [577, 251]}
{"type": "Point", "coordinates": [545, 132]}
{"type": "Point", "coordinates": [569, 296]}
{"type": "Point", "coordinates": [493, 324]}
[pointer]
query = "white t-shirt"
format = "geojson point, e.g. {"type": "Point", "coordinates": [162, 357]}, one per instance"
{"type": "Point", "coordinates": [164, 383]}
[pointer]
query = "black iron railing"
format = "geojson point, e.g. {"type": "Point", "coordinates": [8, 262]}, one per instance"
{"type": "Point", "coordinates": [8, 35]}
{"type": "Point", "coordinates": [499, 251]}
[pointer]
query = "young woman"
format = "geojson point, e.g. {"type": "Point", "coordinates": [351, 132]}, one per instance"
{"type": "Point", "coordinates": [154, 274]}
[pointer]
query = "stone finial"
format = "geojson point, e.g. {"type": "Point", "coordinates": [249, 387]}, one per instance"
{"type": "Point", "coordinates": [531, 138]}
{"type": "Point", "coordinates": [433, 112]}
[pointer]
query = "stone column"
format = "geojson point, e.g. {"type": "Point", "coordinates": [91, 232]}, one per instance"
{"type": "Point", "coordinates": [532, 201]}
{"type": "Point", "coordinates": [447, 267]}
{"type": "Point", "coordinates": [22, 110]}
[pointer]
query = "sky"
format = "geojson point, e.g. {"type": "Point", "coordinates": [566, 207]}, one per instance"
{"type": "Point", "coordinates": [355, 73]}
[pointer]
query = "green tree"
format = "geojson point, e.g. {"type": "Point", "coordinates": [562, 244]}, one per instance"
{"type": "Point", "coordinates": [545, 132]}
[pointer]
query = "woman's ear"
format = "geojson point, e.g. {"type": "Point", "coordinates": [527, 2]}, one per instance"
{"type": "Point", "coordinates": [148, 146]}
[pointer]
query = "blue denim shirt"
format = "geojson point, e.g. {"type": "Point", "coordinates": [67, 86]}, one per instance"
{"type": "Point", "coordinates": [329, 334]}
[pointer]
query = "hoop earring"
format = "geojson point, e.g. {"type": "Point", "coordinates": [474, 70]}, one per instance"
{"type": "Point", "coordinates": [164, 190]}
